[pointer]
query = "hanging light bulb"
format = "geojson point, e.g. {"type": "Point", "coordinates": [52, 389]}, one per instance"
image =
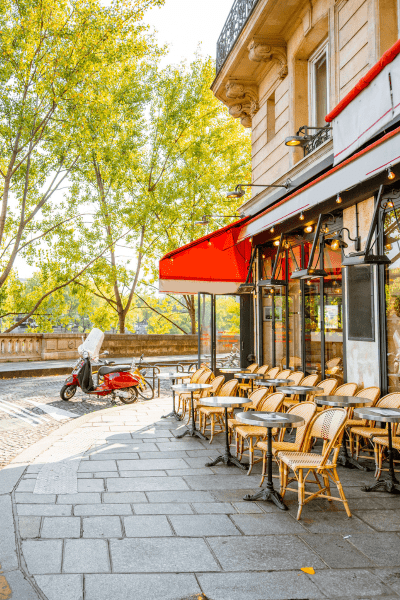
{"type": "Point", "coordinates": [388, 246]}
{"type": "Point", "coordinates": [209, 242]}
{"type": "Point", "coordinates": [335, 245]}
{"type": "Point", "coordinates": [263, 255]}
{"type": "Point", "coordinates": [171, 259]}
{"type": "Point", "coordinates": [390, 204]}
{"type": "Point", "coordinates": [276, 243]}
{"type": "Point", "coordinates": [301, 217]}
{"type": "Point", "coordinates": [390, 174]}
{"type": "Point", "coordinates": [308, 229]}
{"type": "Point", "coordinates": [272, 229]}
{"type": "Point", "coordinates": [308, 281]}
{"type": "Point", "coordinates": [250, 240]}
{"type": "Point", "coordinates": [338, 199]}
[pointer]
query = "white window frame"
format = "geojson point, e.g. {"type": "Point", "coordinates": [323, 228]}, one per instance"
{"type": "Point", "coordinates": [314, 58]}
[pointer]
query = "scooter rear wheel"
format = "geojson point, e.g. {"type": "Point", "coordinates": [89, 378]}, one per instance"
{"type": "Point", "coordinates": [132, 399]}
{"type": "Point", "coordinates": [67, 392]}
{"type": "Point", "coordinates": [145, 390]}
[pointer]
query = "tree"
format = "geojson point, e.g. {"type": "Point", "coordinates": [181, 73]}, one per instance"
{"type": "Point", "coordinates": [174, 153]}
{"type": "Point", "coordinates": [53, 56]}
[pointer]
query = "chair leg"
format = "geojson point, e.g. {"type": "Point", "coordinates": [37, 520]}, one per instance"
{"type": "Point", "coordinates": [378, 450]}
{"type": "Point", "coordinates": [264, 467]}
{"type": "Point", "coordinates": [351, 443]}
{"type": "Point", "coordinates": [251, 455]}
{"type": "Point", "coordinates": [341, 492]}
{"type": "Point", "coordinates": [327, 485]}
{"type": "Point", "coordinates": [357, 446]}
{"type": "Point", "coordinates": [300, 480]}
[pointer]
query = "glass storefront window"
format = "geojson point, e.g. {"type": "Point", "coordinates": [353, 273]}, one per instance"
{"type": "Point", "coordinates": [333, 312]}
{"type": "Point", "coordinates": [312, 325]}
{"type": "Point", "coordinates": [294, 302]}
{"type": "Point", "coordinates": [227, 312]}
{"type": "Point", "coordinates": [392, 294]}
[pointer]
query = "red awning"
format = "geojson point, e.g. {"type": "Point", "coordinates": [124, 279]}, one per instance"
{"type": "Point", "coordinates": [215, 263]}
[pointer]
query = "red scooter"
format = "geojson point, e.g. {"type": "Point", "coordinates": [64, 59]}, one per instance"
{"type": "Point", "coordinates": [124, 382]}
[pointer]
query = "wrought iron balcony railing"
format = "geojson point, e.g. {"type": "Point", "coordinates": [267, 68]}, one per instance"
{"type": "Point", "coordinates": [317, 139]}
{"type": "Point", "coordinates": [240, 12]}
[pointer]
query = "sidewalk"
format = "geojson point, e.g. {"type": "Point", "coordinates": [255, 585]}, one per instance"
{"type": "Point", "coordinates": [112, 506]}
{"type": "Point", "coordinates": [44, 368]}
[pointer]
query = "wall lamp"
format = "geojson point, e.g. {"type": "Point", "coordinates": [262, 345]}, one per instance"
{"type": "Point", "coordinates": [312, 272]}
{"type": "Point", "coordinates": [302, 137]}
{"type": "Point", "coordinates": [274, 281]}
{"type": "Point", "coordinates": [239, 192]}
{"type": "Point", "coordinates": [205, 219]}
{"type": "Point", "coordinates": [338, 242]}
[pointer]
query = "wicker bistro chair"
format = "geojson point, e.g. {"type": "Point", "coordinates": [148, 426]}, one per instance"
{"type": "Point", "coordinates": [328, 388]}
{"type": "Point", "coordinates": [329, 426]}
{"type": "Point", "coordinates": [272, 373]}
{"type": "Point", "coordinates": [285, 374]}
{"type": "Point", "coordinates": [184, 398]}
{"type": "Point", "coordinates": [215, 414]}
{"type": "Point", "coordinates": [306, 410]}
{"type": "Point", "coordinates": [347, 389]}
{"type": "Point", "coordinates": [251, 434]}
{"type": "Point", "coordinates": [308, 380]}
{"type": "Point", "coordinates": [367, 432]}
{"type": "Point", "coordinates": [381, 444]}
{"type": "Point", "coordinates": [243, 388]}
{"type": "Point", "coordinates": [255, 399]}
{"type": "Point", "coordinates": [373, 393]}
{"type": "Point", "coordinates": [217, 384]}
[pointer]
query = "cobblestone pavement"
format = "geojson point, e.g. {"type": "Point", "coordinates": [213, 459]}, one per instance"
{"type": "Point", "coordinates": [143, 518]}
{"type": "Point", "coordinates": [19, 428]}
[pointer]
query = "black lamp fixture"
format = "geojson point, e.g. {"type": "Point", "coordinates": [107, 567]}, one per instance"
{"type": "Point", "coordinates": [302, 136]}
{"type": "Point", "coordinates": [366, 257]}
{"type": "Point", "coordinates": [312, 272]}
{"type": "Point", "coordinates": [274, 281]}
{"type": "Point", "coordinates": [239, 192]}
{"type": "Point", "coordinates": [205, 219]}
{"type": "Point", "coordinates": [247, 287]}
{"type": "Point", "coordinates": [336, 241]}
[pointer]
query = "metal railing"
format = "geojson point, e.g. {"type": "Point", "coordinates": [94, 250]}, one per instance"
{"type": "Point", "coordinates": [318, 139]}
{"type": "Point", "coordinates": [240, 12]}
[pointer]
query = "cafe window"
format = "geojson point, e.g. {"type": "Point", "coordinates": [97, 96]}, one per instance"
{"type": "Point", "coordinates": [392, 298]}
{"type": "Point", "coordinates": [319, 81]}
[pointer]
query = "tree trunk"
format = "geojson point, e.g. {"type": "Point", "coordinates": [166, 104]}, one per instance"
{"type": "Point", "coordinates": [121, 321]}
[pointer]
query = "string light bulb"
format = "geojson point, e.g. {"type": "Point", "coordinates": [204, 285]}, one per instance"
{"type": "Point", "coordinates": [263, 255]}
{"type": "Point", "coordinates": [308, 229]}
{"type": "Point", "coordinates": [338, 199]}
{"type": "Point", "coordinates": [272, 229]}
{"type": "Point", "coordinates": [389, 204]}
{"type": "Point", "coordinates": [308, 281]}
{"type": "Point", "coordinates": [301, 217]}
{"type": "Point", "coordinates": [390, 174]}
{"type": "Point", "coordinates": [335, 245]}
{"type": "Point", "coordinates": [209, 242]}
{"type": "Point", "coordinates": [171, 259]}
{"type": "Point", "coordinates": [276, 243]}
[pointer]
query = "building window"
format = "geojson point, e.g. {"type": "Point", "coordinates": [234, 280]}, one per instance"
{"type": "Point", "coordinates": [319, 81]}
{"type": "Point", "coordinates": [271, 117]}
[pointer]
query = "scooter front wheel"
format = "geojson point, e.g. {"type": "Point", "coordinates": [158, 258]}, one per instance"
{"type": "Point", "coordinates": [132, 399]}
{"type": "Point", "coordinates": [67, 392]}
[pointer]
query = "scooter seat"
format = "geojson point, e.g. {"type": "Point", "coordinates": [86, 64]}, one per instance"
{"type": "Point", "coordinates": [116, 369]}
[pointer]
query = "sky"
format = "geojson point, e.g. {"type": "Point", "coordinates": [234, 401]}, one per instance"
{"type": "Point", "coordinates": [182, 24]}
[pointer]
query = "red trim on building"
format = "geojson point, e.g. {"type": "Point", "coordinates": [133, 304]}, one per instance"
{"type": "Point", "coordinates": [385, 59]}
{"type": "Point", "coordinates": [325, 175]}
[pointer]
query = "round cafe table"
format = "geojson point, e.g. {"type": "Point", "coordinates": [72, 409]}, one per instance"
{"type": "Point", "coordinates": [191, 387]}
{"type": "Point", "coordinates": [274, 382]}
{"type": "Point", "coordinates": [250, 376]}
{"type": "Point", "coordinates": [389, 416]}
{"type": "Point", "coordinates": [230, 370]}
{"type": "Point", "coordinates": [270, 420]}
{"type": "Point", "coordinates": [301, 390]}
{"type": "Point", "coordinates": [226, 402]}
{"type": "Point", "coordinates": [346, 402]}
{"type": "Point", "coordinates": [173, 377]}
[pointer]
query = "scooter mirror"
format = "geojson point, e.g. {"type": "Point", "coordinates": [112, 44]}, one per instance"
{"type": "Point", "coordinates": [106, 353]}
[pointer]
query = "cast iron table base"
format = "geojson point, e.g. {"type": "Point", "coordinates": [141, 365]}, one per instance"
{"type": "Point", "coordinates": [227, 457]}
{"type": "Point", "coordinates": [347, 461]}
{"type": "Point", "coordinates": [192, 431]}
{"type": "Point", "coordinates": [268, 493]}
{"type": "Point", "coordinates": [173, 413]}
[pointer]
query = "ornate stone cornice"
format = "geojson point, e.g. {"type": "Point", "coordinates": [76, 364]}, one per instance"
{"type": "Point", "coordinates": [242, 101]}
{"type": "Point", "coordinates": [260, 52]}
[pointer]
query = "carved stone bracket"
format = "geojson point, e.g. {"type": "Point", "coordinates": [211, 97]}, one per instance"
{"type": "Point", "coordinates": [245, 103]}
{"type": "Point", "coordinates": [260, 52]}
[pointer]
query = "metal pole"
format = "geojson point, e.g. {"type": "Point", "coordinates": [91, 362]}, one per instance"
{"type": "Point", "coordinates": [198, 330]}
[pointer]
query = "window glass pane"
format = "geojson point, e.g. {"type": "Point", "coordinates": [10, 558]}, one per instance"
{"type": "Point", "coordinates": [227, 310]}
{"type": "Point", "coordinates": [333, 313]}
{"type": "Point", "coordinates": [312, 325]}
{"type": "Point", "coordinates": [280, 326]}
{"type": "Point", "coordinates": [321, 100]}
{"type": "Point", "coordinates": [267, 303]}
{"type": "Point", "coordinates": [294, 293]}
{"type": "Point", "coordinates": [205, 327]}
{"type": "Point", "coordinates": [392, 289]}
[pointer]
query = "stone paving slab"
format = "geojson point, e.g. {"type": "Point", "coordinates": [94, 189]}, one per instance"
{"type": "Point", "coordinates": [160, 525]}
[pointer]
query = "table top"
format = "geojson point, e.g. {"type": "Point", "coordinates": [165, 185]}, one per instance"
{"type": "Point", "coordinates": [191, 387]}
{"type": "Point", "coordinates": [246, 375]}
{"type": "Point", "coordinates": [175, 375]}
{"type": "Point", "coordinates": [223, 401]}
{"type": "Point", "coordinates": [274, 381]}
{"type": "Point", "coordinates": [374, 413]}
{"type": "Point", "coordinates": [299, 389]}
{"type": "Point", "coordinates": [270, 419]}
{"type": "Point", "coordinates": [229, 370]}
{"type": "Point", "coordinates": [343, 401]}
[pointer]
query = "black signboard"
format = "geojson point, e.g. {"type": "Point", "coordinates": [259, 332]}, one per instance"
{"type": "Point", "coordinates": [360, 303]}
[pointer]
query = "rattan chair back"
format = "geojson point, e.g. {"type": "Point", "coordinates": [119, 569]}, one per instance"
{"type": "Point", "coordinates": [306, 410]}
{"type": "Point", "coordinates": [372, 393]}
{"type": "Point", "coordinates": [328, 387]}
{"type": "Point", "coordinates": [229, 388]}
{"type": "Point", "coordinates": [347, 389]}
{"type": "Point", "coordinates": [328, 426]}
{"type": "Point", "coordinates": [333, 362]}
{"type": "Point", "coordinates": [217, 384]}
{"type": "Point", "coordinates": [271, 403]}
{"type": "Point", "coordinates": [196, 375]}
{"type": "Point", "coordinates": [252, 368]}
{"type": "Point", "coordinates": [272, 373]}
{"type": "Point", "coordinates": [296, 377]}
{"type": "Point", "coordinates": [263, 369]}
{"type": "Point", "coordinates": [284, 374]}
{"type": "Point", "coordinates": [257, 396]}
{"type": "Point", "coordinates": [310, 380]}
